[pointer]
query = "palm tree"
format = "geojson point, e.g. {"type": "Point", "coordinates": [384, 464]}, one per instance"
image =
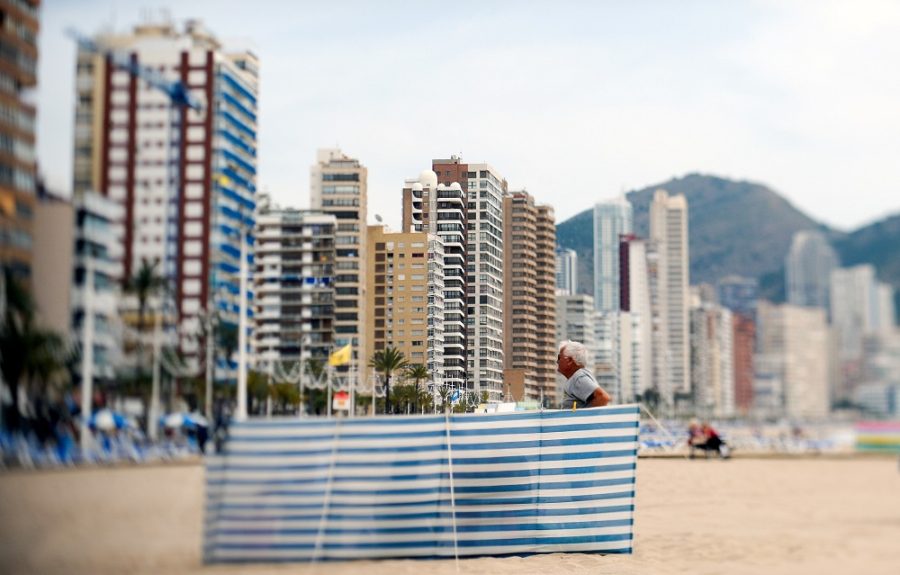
{"type": "Point", "coordinates": [143, 285]}
{"type": "Point", "coordinates": [315, 368]}
{"type": "Point", "coordinates": [29, 353]}
{"type": "Point", "coordinates": [386, 362]}
{"type": "Point", "coordinates": [416, 372]}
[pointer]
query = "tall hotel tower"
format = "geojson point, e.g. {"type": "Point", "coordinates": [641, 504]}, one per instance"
{"type": "Point", "coordinates": [18, 75]}
{"type": "Point", "coordinates": [440, 209]}
{"type": "Point", "coordinates": [485, 188]}
{"type": "Point", "coordinates": [529, 349]}
{"type": "Point", "coordinates": [612, 219]}
{"type": "Point", "coordinates": [808, 268]}
{"type": "Point", "coordinates": [186, 179]}
{"type": "Point", "coordinates": [669, 228]}
{"type": "Point", "coordinates": [338, 187]}
{"type": "Point", "coordinates": [293, 271]}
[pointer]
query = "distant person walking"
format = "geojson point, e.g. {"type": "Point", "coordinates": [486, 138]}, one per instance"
{"type": "Point", "coordinates": [581, 389]}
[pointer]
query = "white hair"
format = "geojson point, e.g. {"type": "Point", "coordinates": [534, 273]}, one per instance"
{"type": "Point", "coordinates": [575, 350]}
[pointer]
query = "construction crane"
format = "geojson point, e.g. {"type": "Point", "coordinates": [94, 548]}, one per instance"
{"type": "Point", "coordinates": [180, 98]}
{"type": "Point", "coordinates": [176, 91]}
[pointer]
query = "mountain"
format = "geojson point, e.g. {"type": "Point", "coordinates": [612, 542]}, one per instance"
{"type": "Point", "coordinates": [743, 228]}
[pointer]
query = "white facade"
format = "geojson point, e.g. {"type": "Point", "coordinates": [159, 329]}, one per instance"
{"type": "Point", "coordinates": [712, 361]}
{"type": "Point", "coordinates": [669, 228]}
{"type": "Point", "coordinates": [186, 178]}
{"type": "Point", "coordinates": [98, 249]}
{"type": "Point", "coordinates": [612, 219]}
{"type": "Point", "coordinates": [484, 327]}
{"type": "Point", "coordinates": [339, 186]}
{"type": "Point", "coordinates": [445, 206]}
{"type": "Point", "coordinates": [640, 311]}
{"type": "Point", "coordinates": [857, 308]}
{"type": "Point", "coordinates": [293, 282]}
{"type": "Point", "coordinates": [566, 272]}
{"type": "Point", "coordinates": [798, 341]}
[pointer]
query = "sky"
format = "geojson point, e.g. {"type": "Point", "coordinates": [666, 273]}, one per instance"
{"type": "Point", "coordinates": [575, 102]}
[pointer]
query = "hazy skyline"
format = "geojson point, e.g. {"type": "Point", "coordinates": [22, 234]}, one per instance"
{"type": "Point", "coordinates": [574, 101]}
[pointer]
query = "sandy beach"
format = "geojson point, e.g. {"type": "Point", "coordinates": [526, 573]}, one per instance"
{"type": "Point", "coordinates": [700, 517]}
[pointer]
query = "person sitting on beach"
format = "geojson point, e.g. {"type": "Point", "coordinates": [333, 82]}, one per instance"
{"type": "Point", "coordinates": [581, 389]}
{"type": "Point", "coordinates": [695, 435]}
{"type": "Point", "coordinates": [705, 437]}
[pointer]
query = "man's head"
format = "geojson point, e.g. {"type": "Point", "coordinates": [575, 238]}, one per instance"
{"type": "Point", "coordinates": [572, 357]}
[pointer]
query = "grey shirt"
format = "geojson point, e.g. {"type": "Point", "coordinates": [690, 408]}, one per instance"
{"type": "Point", "coordinates": [579, 388]}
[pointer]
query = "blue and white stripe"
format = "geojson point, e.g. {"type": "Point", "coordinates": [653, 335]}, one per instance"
{"type": "Point", "coordinates": [430, 486]}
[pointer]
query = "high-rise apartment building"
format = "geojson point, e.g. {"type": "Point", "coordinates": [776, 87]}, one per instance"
{"type": "Point", "coordinates": [808, 268]}
{"type": "Point", "coordinates": [635, 301]}
{"type": "Point", "coordinates": [485, 188]}
{"type": "Point", "coordinates": [97, 259]}
{"type": "Point", "coordinates": [860, 306]}
{"type": "Point", "coordinates": [440, 209]}
{"type": "Point", "coordinates": [794, 344]}
{"type": "Point", "coordinates": [338, 186]}
{"type": "Point", "coordinates": [186, 179]}
{"type": "Point", "coordinates": [406, 287]}
{"type": "Point", "coordinates": [612, 219]}
{"type": "Point", "coordinates": [293, 280]}
{"type": "Point", "coordinates": [669, 227]}
{"type": "Point", "coordinates": [529, 304]}
{"type": "Point", "coordinates": [19, 22]}
{"type": "Point", "coordinates": [712, 360]}
{"type": "Point", "coordinates": [566, 272]}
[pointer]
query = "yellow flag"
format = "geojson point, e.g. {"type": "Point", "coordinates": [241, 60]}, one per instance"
{"type": "Point", "coordinates": [341, 356]}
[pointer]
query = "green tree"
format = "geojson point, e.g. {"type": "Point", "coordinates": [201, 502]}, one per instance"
{"type": "Point", "coordinates": [257, 390]}
{"type": "Point", "coordinates": [227, 339]}
{"type": "Point", "coordinates": [417, 372]}
{"type": "Point", "coordinates": [144, 284]}
{"type": "Point", "coordinates": [29, 355]}
{"type": "Point", "coordinates": [386, 362]}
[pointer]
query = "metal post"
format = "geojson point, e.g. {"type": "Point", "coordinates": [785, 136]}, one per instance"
{"type": "Point", "coordinates": [241, 412]}
{"type": "Point", "coordinates": [352, 387]}
{"type": "Point", "coordinates": [210, 339]}
{"type": "Point", "coordinates": [153, 418]}
{"type": "Point", "coordinates": [87, 355]}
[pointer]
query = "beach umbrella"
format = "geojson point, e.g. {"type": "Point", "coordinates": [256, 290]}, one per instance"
{"type": "Point", "coordinates": [106, 420]}
{"type": "Point", "coordinates": [176, 420]}
{"type": "Point", "coordinates": [173, 420]}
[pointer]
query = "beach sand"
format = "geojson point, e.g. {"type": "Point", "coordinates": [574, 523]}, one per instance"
{"type": "Point", "coordinates": [773, 516]}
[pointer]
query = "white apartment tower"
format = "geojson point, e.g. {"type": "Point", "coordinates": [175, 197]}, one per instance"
{"type": "Point", "coordinates": [338, 186]}
{"type": "Point", "coordinates": [669, 227]}
{"type": "Point", "coordinates": [612, 219]}
{"type": "Point", "coordinates": [566, 272]}
{"type": "Point", "coordinates": [294, 304]}
{"type": "Point", "coordinates": [808, 268]}
{"type": "Point", "coordinates": [484, 188]}
{"type": "Point", "coordinates": [440, 210]}
{"type": "Point", "coordinates": [860, 306]}
{"type": "Point", "coordinates": [794, 344]}
{"type": "Point", "coordinates": [186, 179]}
{"type": "Point", "coordinates": [712, 360]}
{"type": "Point", "coordinates": [635, 301]}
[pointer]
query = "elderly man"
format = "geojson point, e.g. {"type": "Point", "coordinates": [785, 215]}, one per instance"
{"type": "Point", "coordinates": [581, 389]}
